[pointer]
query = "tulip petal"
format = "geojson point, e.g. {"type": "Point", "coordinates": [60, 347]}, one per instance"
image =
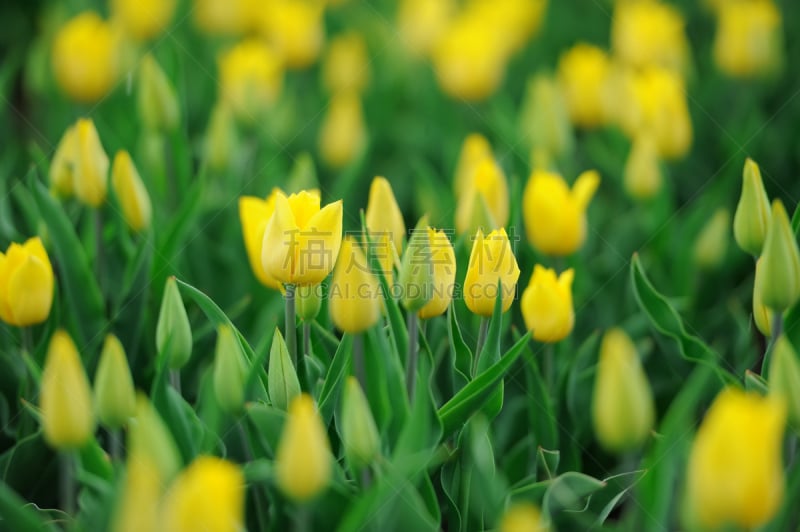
{"type": "Point", "coordinates": [254, 214]}
{"type": "Point", "coordinates": [584, 188]}
{"type": "Point", "coordinates": [304, 206]}
{"type": "Point", "coordinates": [318, 245]}
{"type": "Point", "coordinates": [30, 292]}
{"type": "Point", "coordinates": [279, 247]}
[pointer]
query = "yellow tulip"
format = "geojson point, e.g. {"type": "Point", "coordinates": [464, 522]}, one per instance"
{"type": "Point", "coordinates": [443, 263]}
{"type": "Point", "coordinates": [84, 57]}
{"type": "Point", "coordinates": [383, 215]}
{"type": "Point", "coordinates": [778, 274]}
{"type": "Point", "coordinates": [131, 192]}
{"type": "Point", "coordinates": [622, 406]}
{"type": "Point", "coordinates": [649, 33]}
{"type": "Point", "coordinates": [342, 135]}
{"type": "Point", "coordinates": [143, 19]}
{"type": "Point", "coordinates": [137, 509]}
{"type": "Point", "coordinates": [762, 315]}
{"type": "Point", "coordinates": [207, 495]}
{"type": "Point", "coordinates": [226, 17]}
{"type": "Point", "coordinates": [749, 39]}
{"type": "Point", "coordinates": [523, 517]}
{"type": "Point", "coordinates": [751, 220]}
{"type": "Point", "coordinates": [421, 22]}
{"type": "Point", "coordinates": [473, 152]}
{"type": "Point", "coordinates": [555, 216]}
{"type": "Point", "coordinates": [547, 304]}
{"type": "Point", "coordinates": [26, 283]}
{"type": "Point", "coordinates": [735, 471]}
{"type": "Point", "coordinates": [484, 203]}
{"type": "Point", "coordinates": [62, 167]}
{"type": "Point", "coordinates": [303, 462]}
{"type": "Point", "coordinates": [65, 398]}
{"type": "Point", "coordinates": [346, 66]}
{"type": "Point", "coordinates": [354, 298]}
{"type": "Point", "coordinates": [513, 22]}
{"type": "Point", "coordinates": [115, 398]}
{"type": "Point", "coordinates": [301, 241]}
{"type": "Point", "coordinates": [251, 78]}
{"type": "Point", "coordinates": [642, 174]}
{"type": "Point", "coordinates": [296, 30]}
{"type": "Point", "coordinates": [90, 172]}
{"type": "Point", "coordinates": [583, 74]}
{"type": "Point", "coordinates": [254, 214]}
{"type": "Point", "coordinates": [156, 101]}
{"type": "Point", "coordinates": [491, 261]}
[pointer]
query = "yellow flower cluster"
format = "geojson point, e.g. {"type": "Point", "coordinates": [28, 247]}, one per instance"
{"type": "Point", "coordinates": [749, 38]}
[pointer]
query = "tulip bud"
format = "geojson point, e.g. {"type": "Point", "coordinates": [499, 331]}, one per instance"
{"type": "Point", "coordinates": [712, 242]}
{"type": "Point", "coordinates": [354, 298]}
{"type": "Point", "coordinates": [308, 301]}
{"type": "Point", "coordinates": [282, 382]}
{"type": "Point", "coordinates": [65, 397]}
{"type": "Point", "coordinates": [784, 377]}
{"type": "Point", "coordinates": [484, 204]}
{"type": "Point", "coordinates": [751, 220]}
{"type": "Point", "coordinates": [221, 138]}
{"type": "Point", "coordinates": [114, 396]}
{"type": "Point", "coordinates": [342, 136]}
{"type": "Point", "coordinates": [443, 264]}
{"type": "Point", "coordinates": [138, 505]}
{"type": "Point", "coordinates": [642, 174]}
{"type": "Point", "coordinates": [346, 66]}
{"type": "Point", "coordinates": [91, 165]}
{"type": "Point", "coordinates": [230, 370]}
{"type": "Point", "coordinates": [762, 315]}
{"type": "Point", "coordinates": [173, 331]}
{"type": "Point", "coordinates": [383, 215]}
{"type": "Point", "coordinates": [547, 304]}
{"type": "Point", "coordinates": [490, 261]}
{"type": "Point", "coordinates": [622, 407]}
{"type": "Point", "coordinates": [251, 78]}
{"type": "Point", "coordinates": [207, 495]}
{"type": "Point", "coordinates": [416, 271]}
{"type": "Point", "coordinates": [143, 19]}
{"type": "Point", "coordinates": [303, 175]}
{"type": "Point", "coordinates": [649, 33]}
{"type": "Point", "coordinates": [780, 267]}
{"type": "Point", "coordinates": [523, 517]}
{"type": "Point", "coordinates": [296, 30]}
{"type": "Point", "coordinates": [582, 74]}
{"type": "Point", "coordinates": [473, 152]}
{"type": "Point", "coordinates": [62, 167]}
{"type": "Point", "coordinates": [131, 192]}
{"type": "Point", "coordinates": [303, 462]}
{"type": "Point", "coordinates": [359, 433]}
{"type": "Point", "coordinates": [544, 118]}
{"type": "Point", "coordinates": [738, 446]}
{"type": "Point", "coordinates": [150, 437]}
{"type": "Point", "coordinates": [157, 103]}
{"type": "Point", "coordinates": [749, 39]}
{"type": "Point", "coordinates": [28, 282]}
{"type": "Point", "coordinates": [225, 17]}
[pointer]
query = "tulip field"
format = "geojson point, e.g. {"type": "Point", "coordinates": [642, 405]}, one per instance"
{"type": "Point", "coordinates": [412, 265]}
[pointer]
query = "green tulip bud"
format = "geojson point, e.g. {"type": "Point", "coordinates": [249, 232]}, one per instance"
{"type": "Point", "coordinates": [359, 432]}
{"type": "Point", "coordinates": [416, 271]}
{"type": "Point", "coordinates": [114, 395]}
{"type": "Point", "coordinates": [712, 242]}
{"type": "Point", "coordinates": [784, 377]}
{"type": "Point", "coordinates": [282, 382]}
{"type": "Point", "coordinates": [751, 221]}
{"type": "Point", "coordinates": [173, 331]}
{"type": "Point", "coordinates": [156, 102]}
{"type": "Point", "coordinates": [230, 370]}
{"type": "Point", "coordinates": [778, 274]}
{"type": "Point", "coordinates": [149, 436]}
{"type": "Point", "coordinates": [303, 175]}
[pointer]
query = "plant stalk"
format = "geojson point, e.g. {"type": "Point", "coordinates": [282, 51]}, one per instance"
{"type": "Point", "coordinates": [482, 333]}
{"type": "Point", "coordinates": [67, 482]}
{"type": "Point", "coordinates": [411, 366]}
{"type": "Point", "coordinates": [358, 361]}
{"type": "Point", "coordinates": [291, 324]}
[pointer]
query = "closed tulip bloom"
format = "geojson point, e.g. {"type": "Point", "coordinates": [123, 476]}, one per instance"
{"type": "Point", "coordinates": [26, 283]}
{"type": "Point", "coordinates": [115, 398]}
{"type": "Point", "coordinates": [343, 135]}
{"type": "Point", "coordinates": [523, 517]}
{"type": "Point", "coordinates": [735, 471]}
{"type": "Point", "coordinates": [296, 29]}
{"type": "Point", "coordinates": [84, 57]}
{"type": "Point", "coordinates": [712, 242]}
{"type": "Point", "coordinates": [131, 192]}
{"type": "Point", "coordinates": [473, 152]}
{"type": "Point", "coordinates": [645, 33]}
{"type": "Point", "coordinates": [555, 216]}
{"type": "Point", "coordinates": [173, 330]}
{"type": "Point", "coordinates": [301, 241]}
{"type": "Point", "coordinates": [582, 74]}
{"type": "Point", "coordinates": [762, 315]}
{"type": "Point", "coordinates": [226, 17]}
{"type": "Point", "coordinates": [443, 264]}
{"type": "Point", "coordinates": [230, 370]}
{"type": "Point", "coordinates": [346, 66]}
{"type": "Point", "coordinates": [622, 406]}
{"type": "Point", "coordinates": [421, 22]}
{"type": "Point", "coordinates": [484, 203]}
{"type": "Point", "coordinates": [784, 377]}
{"type": "Point", "coordinates": [749, 39]}
{"type": "Point", "coordinates": [547, 304]}
{"type": "Point", "coordinates": [207, 495]}
{"type": "Point", "coordinates": [303, 462]}
{"type": "Point", "coordinates": [354, 298]}
{"type": "Point", "coordinates": [137, 509]}
{"type": "Point", "coordinates": [282, 382]}
{"type": "Point", "coordinates": [156, 101]}
{"type": "Point", "coordinates": [642, 175]}
{"type": "Point", "coordinates": [91, 165]}
{"type": "Point", "coordinates": [544, 118]}
{"type": "Point", "coordinates": [254, 214]}
{"type": "Point", "coordinates": [251, 78]}
{"type": "Point", "coordinates": [778, 275]}
{"type": "Point", "coordinates": [491, 261]}
{"type": "Point", "coordinates": [383, 215]}
{"type": "Point", "coordinates": [62, 167]}
{"type": "Point", "coordinates": [149, 437]}
{"type": "Point", "coordinates": [221, 137]}
{"type": "Point", "coordinates": [415, 277]}
{"type": "Point", "coordinates": [65, 398]}
{"type": "Point", "coordinates": [143, 19]}
{"type": "Point", "coordinates": [362, 443]}
{"type": "Point", "coordinates": [751, 220]}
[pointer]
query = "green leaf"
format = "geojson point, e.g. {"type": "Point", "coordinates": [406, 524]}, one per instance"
{"type": "Point", "coordinates": [462, 355]}
{"type": "Point", "coordinates": [267, 422]}
{"type": "Point", "coordinates": [17, 514]}
{"type": "Point", "coordinates": [569, 492]}
{"type": "Point", "coordinates": [259, 470]}
{"type": "Point", "coordinates": [755, 382]}
{"type": "Point", "coordinates": [490, 353]}
{"type": "Point", "coordinates": [329, 396]}
{"type": "Point", "coordinates": [548, 460]}
{"type": "Point", "coordinates": [469, 399]}
{"type": "Point", "coordinates": [541, 414]}
{"type": "Point", "coordinates": [580, 382]}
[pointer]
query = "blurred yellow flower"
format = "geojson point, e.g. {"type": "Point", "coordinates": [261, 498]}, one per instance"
{"type": "Point", "coordinates": [302, 240]}
{"type": "Point", "coordinates": [65, 398]}
{"type": "Point", "coordinates": [62, 167]}
{"type": "Point", "coordinates": [491, 261]}
{"type": "Point", "coordinates": [484, 203]}
{"type": "Point", "coordinates": [90, 170]}
{"type": "Point", "coordinates": [251, 78]}
{"type": "Point", "coordinates": [474, 150]}
{"type": "Point", "coordinates": [555, 216]}
{"type": "Point", "coordinates": [207, 495]}
{"type": "Point", "coordinates": [226, 17]}
{"type": "Point", "coordinates": [383, 215]}
{"type": "Point", "coordinates": [547, 304]}
{"type": "Point", "coordinates": [26, 283]}
{"type": "Point", "coordinates": [131, 192]}
{"type": "Point", "coordinates": [642, 175]}
{"type": "Point", "coordinates": [583, 75]}
{"type": "Point", "coordinates": [296, 30]}
{"type": "Point", "coordinates": [514, 22]}
{"type": "Point", "coordinates": [443, 264]}
{"type": "Point", "coordinates": [137, 509]}
{"type": "Point", "coordinates": [749, 39]}
{"type": "Point", "coordinates": [649, 33]}
{"type": "Point", "coordinates": [115, 398]}
{"type": "Point", "coordinates": [150, 438]}
{"type": "Point", "coordinates": [735, 470]}
{"type": "Point", "coordinates": [143, 19]}
{"type": "Point", "coordinates": [254, 214]}
{"type": "Point", "coordinates": [712, 242]}
{"type": "Point", "coordinates": [303, 462]}
{"type": "Point", "coordinates": [523, 517]}
{"type": "Point", "coordinates": [354, 297]}
{"type": "Point", "coordinates": [346, 65]}
{"type": "Point", "coordinates": [84, 57]}
{"type": "Point", "coordinates": [421, 22]}
{"type": "Point", "coordinates": [342, 136]}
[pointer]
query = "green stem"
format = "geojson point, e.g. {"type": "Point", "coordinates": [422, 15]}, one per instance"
{"type": "Point", "coordinates": [547, 366]}
{"type": "Point", "coordinates": [303, 519]}
{"type": "Point", "coordinates": [302, 362]}
{"type": "Point", "coordinates": [777, 329]}
{"type": "Point", "coordinates": [358, 361]}
{"type": "Point", "coordinates": [482, 332]}
{"type": "Point", "coordinates": [291, 324]}
{"type": "Point", "coordinates": [67, 482]}
{"type": "Point", "coordinates": [175, 379]}
{"type": "Point", "coordinates": [115, 444]}
{"type": "Point", "coordinates": [98, 242]}
{"type": "Point", "coordinates": [411, 367]}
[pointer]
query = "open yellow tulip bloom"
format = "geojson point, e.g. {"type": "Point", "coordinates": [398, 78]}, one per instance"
{"type": "Point", "coordinates": [254, 214]}
{"type": "Point", "coordinates": [491, 261]}
{"type": "Point", "coordinates": [26, 283]}
{"type": "Point", "coordinates": [302, 240]}
{"type": "Point", "coordinates": [547, 304]}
